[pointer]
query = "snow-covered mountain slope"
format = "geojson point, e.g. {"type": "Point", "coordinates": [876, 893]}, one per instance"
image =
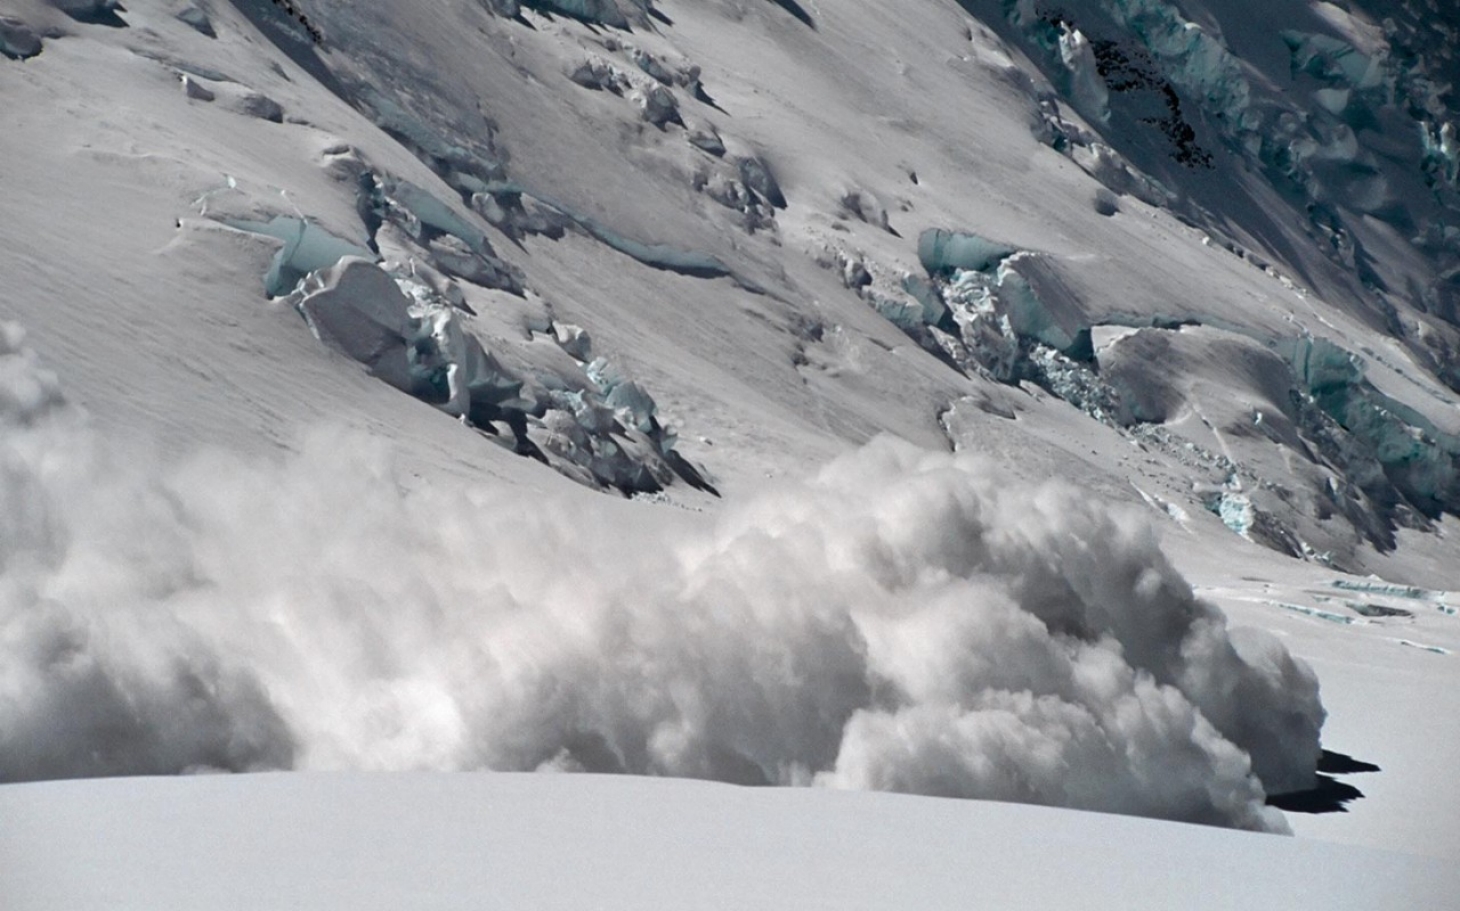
{"type": "Point", "coordinates": [433, 841]}
{"type": "Point", "coordinates": [362, 312]}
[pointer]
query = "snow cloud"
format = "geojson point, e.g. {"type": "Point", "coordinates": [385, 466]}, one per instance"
{"type": "Point", "coordinates": [901, 620]}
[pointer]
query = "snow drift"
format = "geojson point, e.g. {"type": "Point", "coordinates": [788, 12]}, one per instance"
{"type": "Point", "coordinates": [901, 620]}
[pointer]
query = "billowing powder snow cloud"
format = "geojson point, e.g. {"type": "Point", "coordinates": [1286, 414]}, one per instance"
{"type": "Point", "coordinates": [902, 620]}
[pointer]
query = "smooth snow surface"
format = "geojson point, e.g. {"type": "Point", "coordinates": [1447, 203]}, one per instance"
{"type": "Point", "coordinates": [361, 842]}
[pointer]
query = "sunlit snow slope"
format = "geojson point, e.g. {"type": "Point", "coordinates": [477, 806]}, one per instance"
{"type": "Point", "coordinates": [493, 385]}
{"type": "Point", "coordinates": [505, 841]}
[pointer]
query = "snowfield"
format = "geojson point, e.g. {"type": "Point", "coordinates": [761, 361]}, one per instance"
{"type": "Point", "coordinates": [503, 841]}
{"type": "Point", "coordinates": [1056, 404]}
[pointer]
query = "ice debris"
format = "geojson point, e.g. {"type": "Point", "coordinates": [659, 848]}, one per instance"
{"type": "Point", "coordinates": [92, 12]}
{"type": "Point", "coordinates": [601, 12]}
{"type": "Point", "coordinates": [1319, 614]}
{"type": "Point", "coordinates": [988, 308]}
{"type": "Point", "coordinates": [443, 237]}
{"type": "Point", "coordinates": [1095, 157]}
{"type": "Point", "coordinates": [18, 41]}
{"type": "Point", "coordinates": [1421, 461]}
{"type": "Point", "coordinates": [1435, 649]}
{"type": "Point", "coordinates": [518, 214]}
{"type": "Point", "coordinates": [194, 89]}
{"type": "Point", "coordinates": [599, 75]}
{"type": "Point", "coordinates": [1235, 510]}
{"type": "Point", "coordinates": [658, 105]}
{"type": "Point", "coordinates": [706, 139]}
{"type": "Point", "coordinates": [756, 174]}
{"type": "Point", "coordinates": [254, 104]}
{"type": "Point", "coordinates": [197, 19]}
{"type": "Point", "coordinates": [652, 66]}
{"type": "Point", "coordinates": [585, 418]}
{"type": "Point", "coordinates": [358, 310]}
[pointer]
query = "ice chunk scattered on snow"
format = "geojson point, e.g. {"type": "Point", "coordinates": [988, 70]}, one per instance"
{"type": "Point", "coordinates": [706, 139]}
{"type": "Point", "coordinates": [431, 215]}
{"type": "Point", "coordinates": [1041, 305]}
{"type": "Point", "coordinates": [197, 19]}
{"type": "Point", "coordinates": [18, 41]}
{"type": "Point", "coordinates": [658, 105]}
{"type": "Point", "coordinates": [443, 237]}
{"type": "Point", "coordinates": [756, 174]}
{"type": "Point", "coordinates": [651, 65]}
{"type": "Point", "coordinates": [195, 89]}
{"type": "Point", "coordinates": [254, 104]}
{"type": "Point", "coordinates": [93, 12]}
{"type": "Point", "coordinates": [574, 340]}
{"type": "Point", "coordinates": [1235, 511]}
{"type": "Point", "coordinates": [359, 310]}
{"type": "Point", "coordinates": [517, 214]}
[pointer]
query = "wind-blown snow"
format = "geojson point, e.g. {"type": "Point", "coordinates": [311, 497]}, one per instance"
{"type": "Point", "coordinates": [901, 620]}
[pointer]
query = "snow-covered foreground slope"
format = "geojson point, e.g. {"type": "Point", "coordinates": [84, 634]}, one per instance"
{"type": "Point", "coordinates": [362, 842]}
{"type": "Point", "coordinates": [363, 318]}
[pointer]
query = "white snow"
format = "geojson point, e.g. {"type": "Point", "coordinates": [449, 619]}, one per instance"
{"type": "Point", "coordinates": [362, 842]}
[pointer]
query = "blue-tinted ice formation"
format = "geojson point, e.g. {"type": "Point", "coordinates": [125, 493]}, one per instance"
{"type": "Point", "coordinates": [587, 420]}
{"type": "Point", "coordinates": [93, 12]}
{"type": "Point", "coordinates": [1421, 461]}
{"type": "Point", "coordinates": [1349, 119]}
{"type": "Point", "coordinates": [985, 307]}
{"type": "Point", "coordinates": [942, 251]}
{"type": "Point", "coordinates": [602, 12]}
{"type": "Point", "coordinates": [307, 248]}
{"type": "Point", "coordinates": [1015, 319]}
